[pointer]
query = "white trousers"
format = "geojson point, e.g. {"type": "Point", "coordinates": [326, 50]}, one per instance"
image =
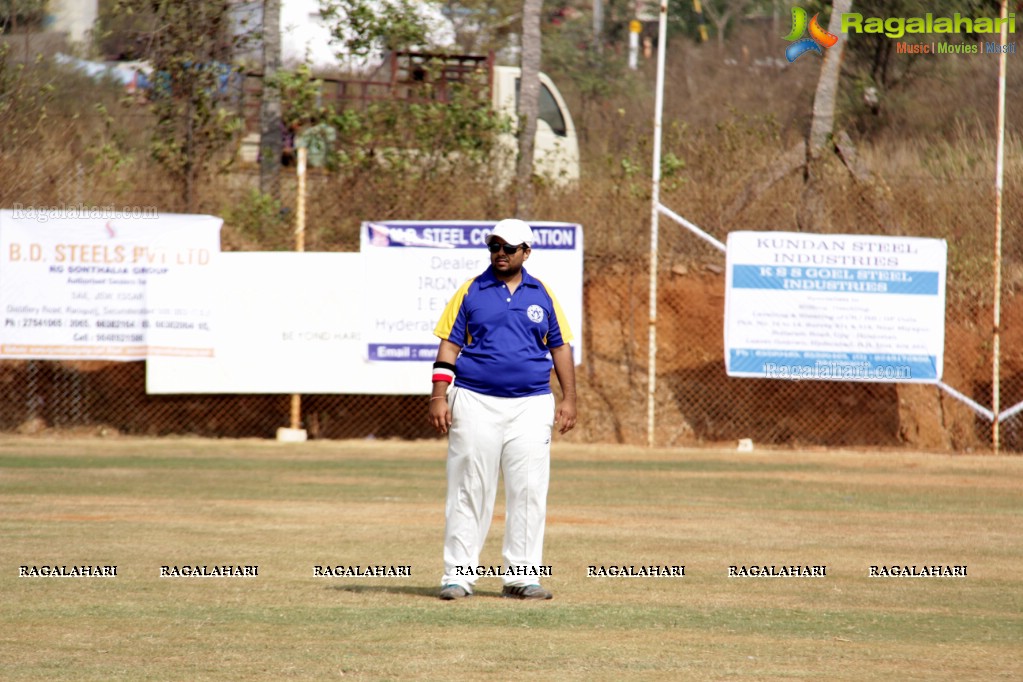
{"type": "Point", "coordinates": [491, 436]}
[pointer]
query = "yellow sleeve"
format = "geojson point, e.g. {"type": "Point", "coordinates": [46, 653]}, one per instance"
{"type": "Point", "coordinates": [447, 318]}
{"type": "Point", "coordinates": [566, 329]}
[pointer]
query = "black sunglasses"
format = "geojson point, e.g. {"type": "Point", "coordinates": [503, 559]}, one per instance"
{"type": "Point", "coordinates": [509, 249]}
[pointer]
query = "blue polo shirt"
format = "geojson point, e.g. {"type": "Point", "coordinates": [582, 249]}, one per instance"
{"type": "Point", "coordinates": [505, 339]}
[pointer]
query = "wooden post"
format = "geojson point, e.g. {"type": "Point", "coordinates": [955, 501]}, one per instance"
{"type": "Point", "coordinates": [296, 433]}
{"type": "Point", "coordinates": [296, 399]}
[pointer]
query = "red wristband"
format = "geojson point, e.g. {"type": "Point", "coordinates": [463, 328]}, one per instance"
{"type": "Point", "coordinates": [443, 375]}
{"type": "Point", "coordinates": [443, 371]}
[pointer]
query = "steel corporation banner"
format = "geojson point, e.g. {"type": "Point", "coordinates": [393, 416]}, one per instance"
{"type": "Point", "coordinates": [414, 268]}
{"type": "Point", "coordinates": [835, 307]}
{"type": "Point", "coordinates": [81, 283]}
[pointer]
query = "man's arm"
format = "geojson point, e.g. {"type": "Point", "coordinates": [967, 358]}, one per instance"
{"type": "Point", "coordinates": [564, 368]}
{"type": "Point", "coordinates": [440, 413]}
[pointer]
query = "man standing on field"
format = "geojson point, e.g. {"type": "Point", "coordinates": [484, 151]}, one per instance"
{"type": "Point", "coordinates": [500, 335]}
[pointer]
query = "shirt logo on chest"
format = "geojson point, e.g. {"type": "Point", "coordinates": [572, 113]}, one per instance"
{"type": "Point", "coordinates": [535, 313]}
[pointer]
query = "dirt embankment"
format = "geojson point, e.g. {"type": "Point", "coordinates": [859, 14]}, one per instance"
{"type": "Point", "coordinates": [697, 402]}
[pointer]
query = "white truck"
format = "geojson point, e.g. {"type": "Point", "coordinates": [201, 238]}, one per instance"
{"type": "Point", "coordinates": [556, 150]}
{"type": "Point", "coordinates": [406, 76]}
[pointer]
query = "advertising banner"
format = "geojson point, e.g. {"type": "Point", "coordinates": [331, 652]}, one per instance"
{"type": "Point", "coordinates": [416, 267]}
{"type": "Point", "coordinates": [835, 307]}
{"type": "Point", "coordinates": [79, 283]}
{"type": "Point", "coordinates": [286, 323]}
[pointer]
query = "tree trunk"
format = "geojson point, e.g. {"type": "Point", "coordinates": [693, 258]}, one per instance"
{"type": "Point", "coordinates": [823, 124]}
{"type": "Point", "coordinates": [270, 127]}
{"type": "Point", "coordinates": [529, 103]}
{"type": "Point", "coordinates": [189, 156]}
{"type": "Point", "coordinates": [812, 215]}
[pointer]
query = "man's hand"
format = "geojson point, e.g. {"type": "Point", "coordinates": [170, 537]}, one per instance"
{"type": "Point", "coordinates": [565, 415]}
{"type": "Point", "coordinates": [440, 413]}
{"type": "Point", "coordinates": [564, 368]}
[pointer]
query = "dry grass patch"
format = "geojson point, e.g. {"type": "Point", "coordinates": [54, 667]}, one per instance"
{"type": "Point", "coordinates": [144, 503]}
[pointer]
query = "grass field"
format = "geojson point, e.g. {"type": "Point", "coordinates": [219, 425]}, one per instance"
{"type": "Point", "coordinates": [141, 504]}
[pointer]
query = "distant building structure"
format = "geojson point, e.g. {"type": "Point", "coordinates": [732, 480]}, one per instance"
{"type": "Point", "coordinates": [74, 18]}
{"type": "Point", "coordinates": [305, 36]}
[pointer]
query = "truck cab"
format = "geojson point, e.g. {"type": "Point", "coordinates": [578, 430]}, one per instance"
{"type": "Point", "coordinates": [556, 150]}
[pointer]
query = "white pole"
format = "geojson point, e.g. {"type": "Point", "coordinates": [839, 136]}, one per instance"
{"type": "Point", "coordinates": [655, 200]}
{"type": "Point", "coordinates": [999, 172]}
{"type": "Point", "coordinates": [634, 29]}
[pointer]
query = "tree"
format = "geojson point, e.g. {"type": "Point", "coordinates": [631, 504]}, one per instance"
{"type": "Point", "coordinates": [447, 125]}
{"type": "Point", "coordinates": [529, 103]}
{"type": "Point", "coordinates": [481, 25]}
{"type": "Point", "coordinates": [723, 11]}
{"type": "Point", "coordinates": [823, 123]}
{"type": "Point", "coordinates": [25, 93]}
{"type": "Point", "coordinates": [359, 27]}
{"type": "Point", "coordinates": [193, 89]}
{"type": "Point", "coordinates": [593, 76]}
{"type": "Point", "coordinates": [872, 60]}
{"type": "Point", "coordinates": [270, 126]}
{"type": "Point", "coordinates": [18, 15]}
{"type": "Point", "coordinates": [809, 155]}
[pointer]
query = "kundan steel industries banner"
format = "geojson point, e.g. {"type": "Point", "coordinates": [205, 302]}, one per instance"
{"type": "Point", "coordinates": [83, 283]}
{"type": "Point", "coordinates": [417, 266]}
{"type": "Point", "coordinates": [835, 307]}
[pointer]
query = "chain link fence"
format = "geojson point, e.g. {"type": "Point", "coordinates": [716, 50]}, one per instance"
{"type": "Point", "coordinates": [940, 190]}
{"type": "Point", "coordinates": [695, 401]}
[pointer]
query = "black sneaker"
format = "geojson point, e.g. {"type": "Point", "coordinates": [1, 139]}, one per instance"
{"type": "Point", "coordinates": [450, 592]}
{"type": "Point", "coordinates": [525, 592]}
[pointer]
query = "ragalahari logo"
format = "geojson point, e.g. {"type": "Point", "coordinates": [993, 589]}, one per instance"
{"type": "Point", "coordinates": [819, 38]}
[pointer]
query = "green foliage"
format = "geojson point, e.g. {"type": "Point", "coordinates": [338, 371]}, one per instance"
{"type": "Point", "coordinates": [22, 14]}
{"type": "Point", "coordinates": [261, 219]}
{"type": "Point", "coordinates": [190, 47]}
{"type": "Point", "coordinates": [629, 167]}
{"type": "Point", "coordinates": [484, 25]}
{"type": "Point", "coordinates": [423, 135]}
{"type": "Point", "coordinates": [428, 133]}
{"type": "Point", "coordinates": [426, 136]}
{"type": "Point", "coordinates": [589, 78]}
{"type": "Point", "coordinates": [119, 31]}
{"type": "Point", "coordinates": [671, 165]}
{"type": "Point", "coordinates": [464, 125]}
{"type": "Point", "coordinates": [568, 53]}
{"type": "Point", "coordinates": [109, 151]}
{"type": "Point", "coordinates": [301, 96]}
{"type": "Point", "coordinates": [683, 21]}
{"type": "Point", "coordinates": [360, 27]}
{"type": "Point", "coordinates": [26, 90]}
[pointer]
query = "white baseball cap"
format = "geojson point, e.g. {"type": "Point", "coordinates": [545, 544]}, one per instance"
{"type": "Point", "coordinates": [513, 231]}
